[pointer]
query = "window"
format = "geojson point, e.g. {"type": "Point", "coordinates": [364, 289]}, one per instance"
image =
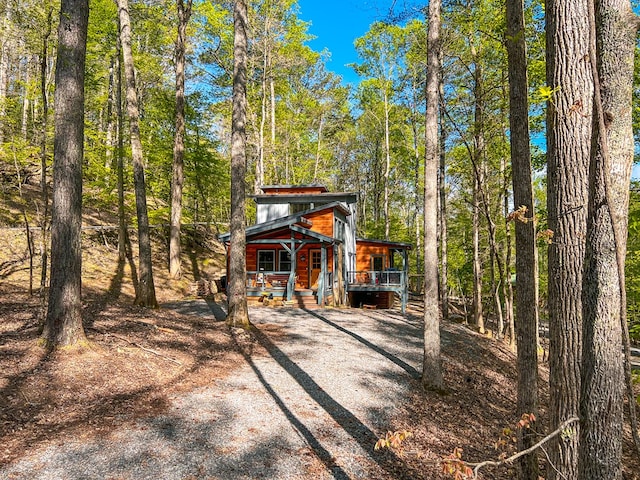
{"type": "Point", "coordinates": [377, 263]}
{"type": "Point", "coordinates": [339, 229]}
{"type": "Point", "coordinates": [266, 260]}
{"type": "Point", "coordinates": [284, 261]}
{"type": "Point", "coordinates": [299, 207]}
{"type": "Point", "coordinates": [316, 260]}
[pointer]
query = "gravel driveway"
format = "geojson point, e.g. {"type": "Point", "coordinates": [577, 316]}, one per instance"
{"type": "Point", "coordinates": [311, 408]}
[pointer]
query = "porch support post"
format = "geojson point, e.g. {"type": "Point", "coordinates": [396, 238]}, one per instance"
{"type": "Point", "coordinates": [404, 283]}
{"type": "Point", "coordinates": [323, 269]}
{"type": "Point", "coordinates": [291, 283]}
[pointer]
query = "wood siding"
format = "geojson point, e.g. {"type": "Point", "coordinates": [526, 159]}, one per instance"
{"type": "Point", "coordinates": [302, 267]}
{"type": "Point", "coordinates": [322, 222]}
{"type": "Point", "coordinates": [364, 252]}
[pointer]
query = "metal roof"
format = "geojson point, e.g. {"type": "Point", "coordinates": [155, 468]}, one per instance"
{"type": "Point", "coordinates": [288, 222]}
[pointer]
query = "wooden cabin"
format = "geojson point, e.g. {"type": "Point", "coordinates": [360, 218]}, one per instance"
{"type": "Point", "coordinates": [303, 250]}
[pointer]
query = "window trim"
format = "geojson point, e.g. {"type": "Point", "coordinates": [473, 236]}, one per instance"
{"type": "Point", "coordinates": [280, 262]}
{"type": "Point", "coordinates": [373, 259]}
{"type": "Point", "coordinates": [273, 260]}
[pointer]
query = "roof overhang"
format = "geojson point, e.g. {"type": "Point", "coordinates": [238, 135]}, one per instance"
{"type": "Point", "coordinates": [394, 245]}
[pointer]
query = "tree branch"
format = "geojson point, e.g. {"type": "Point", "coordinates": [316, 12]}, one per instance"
{"type": "Point", "coordinates": [507, 461]}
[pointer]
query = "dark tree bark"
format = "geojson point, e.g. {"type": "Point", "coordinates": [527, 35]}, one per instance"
{"type": "Point", "coordinates": [175, 268]}
{"type": "Point", "coordinates": [526, 300]}
{"type": "Point", "coordinates": [63, 326]}
{"type": "Point", "coordinates": [568, 149]}
{"type": "Point", "coordinates": [238, 314]}
{"type": "Point", "coordinates": [613, 40]}
{"type": "Point", "coordinates": [146, 292]}
{"type": "Point", "coordinates": [432, 368]}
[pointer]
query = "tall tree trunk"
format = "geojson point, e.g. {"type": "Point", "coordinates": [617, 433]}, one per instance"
{"type": "Point", "coordinates": [442, 188]}
{"type": "Point", "coordinates": [24, 124]}
{"type": "Point", "coordinates": [146, 293]}
{"type": "Point", "coordinates": [175, 267]}
{"type": "Point", "coordinates": [387, 167]}
{"type": "Point", "coordinates": [111, 121]}
{"type": "Point", "coordinates": [477, 158]}
{"type": "Point", "coordinates": [260, 161]}
{"type": "Point", "coordinates": [418, 202]}
{"type": "Point", "coordinates": [568, 149]}
{"type": "Point", "coordinates": [613, 40]}
{"type": "Point", "coordinates": [318, 148]}
{"type": "Point", "coordinates": [123, 236]}
{"type": "Point", "coordinates": [238, 314]}
{"type": "Point", "coordinates": [5, 46]}
{"type": "Point", "coordinates": [507, 288]}
{"type": "Point", "coordinates": [478, 315]}
{"type": "Point", "coordinates": [526, 300]}
{"type": "Point", "coordinates": [63, 325]}
{"type": "Point", "coordinates": [432, 368]}
{"type": "Point", "coordinates": [44, 190]}
{"type": "Point", "coordinates": [272, 118]}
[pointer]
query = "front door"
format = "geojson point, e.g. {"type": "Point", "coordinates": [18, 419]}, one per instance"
{"type": "Point", "coordinates": [315, 265]}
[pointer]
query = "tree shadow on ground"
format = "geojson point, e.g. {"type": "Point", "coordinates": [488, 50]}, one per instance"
{"type": "Point", "coordinates": [385, 353]}
{"type": "Point", "coordinates": [342, 416]}
{"type": "Point", "coordinates": [135, 358]}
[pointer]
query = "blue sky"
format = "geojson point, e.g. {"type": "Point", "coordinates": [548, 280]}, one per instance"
{"type": "Point", "coordinates": [337, 23]}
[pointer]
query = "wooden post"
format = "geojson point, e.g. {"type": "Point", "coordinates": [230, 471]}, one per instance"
{"type": "Point", "coordinates": [404, 281]}
{"type": "Point", "coordinates": [323, 269]}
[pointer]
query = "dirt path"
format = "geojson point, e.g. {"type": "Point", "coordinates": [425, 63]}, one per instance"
{"type": "Point", "coordinates": [309, 401]}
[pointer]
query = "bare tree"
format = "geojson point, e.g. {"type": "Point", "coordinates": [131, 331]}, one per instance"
{"type": "Point", "coordinates": [238, 314]}
{"type": "Point", "coordinates": [432, 368]}
{"type": "Point", "coordinates": [145, 293]}
{"type": "Point", "coordinates": [63, 326]}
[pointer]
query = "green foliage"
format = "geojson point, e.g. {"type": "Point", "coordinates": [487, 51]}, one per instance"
{"type": "Point", "coordinates": [632, 269]}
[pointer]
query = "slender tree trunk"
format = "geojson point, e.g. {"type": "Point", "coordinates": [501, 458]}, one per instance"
{"type": "Point", "coordinates": [175, 266]}
{"type": "Point", "coordinates": [264, 99]}
{"type": "Point", "coordinates": [5, 45]}
{"type": "Point", "coordinates": [478, 315]}
{"type": "Point", "coordinates": [477, 156]}
{"type": "Point", "coordinates": [613, 40]}
{"type": "Point", "coordinates": [526, 299]}
{"type": "Point", "coordinates": [432, 368]}
{"type": "Point", "coordinates": [24, 124]}
{"type": "Point", "coordinates": [507, 288]}
{"type": "Point", "coordinates": [63, 325]}
{"type": "Point", "coordinates": [146, 293]}
{"type": "Point", "coordinates": [272, 89]}
{"type": "Point", "coordinates": [238, 314]}
{"type": "Point", "coordinates": [442, 179]}
{"type": "Point", "coordinates": [318, 148]}
{"type": "Point", "coordinates": [111, 121]}
{"type": "Point", "coordinates": [387, 168]}
{"type": "Point", "coordinates": [123, 238]}
{"type": "Point", "coordinates": [44, 190]}
{"type": "Point", "coordinates": [569, 116]}
{"type": "Point", "coordinates": [418, 202]}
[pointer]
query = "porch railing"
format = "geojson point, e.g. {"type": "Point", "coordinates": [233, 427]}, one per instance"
{"type": "Point", "coordinates": [372, 277]}
{"type": "Point", "coordinates": [268, 279]}
{"type": "Point", "coordinates": [280, 279]}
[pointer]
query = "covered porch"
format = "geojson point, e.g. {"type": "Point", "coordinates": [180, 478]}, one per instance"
{"type": "Point", "coordinates": [293, 265]}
